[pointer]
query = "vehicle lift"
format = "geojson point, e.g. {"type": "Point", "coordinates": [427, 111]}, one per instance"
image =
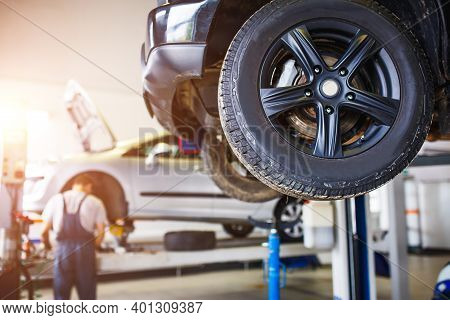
{"type": "Point", "coordinates": [352, 260]}
{"type": "Point", "coordinates": [353, 265]}
{"type": "Point", "coordinates": [12, 176]}
{"type": "Point", "coordinates": [274, 264]}
{"type": "Point", "coordinates": [354, 277]}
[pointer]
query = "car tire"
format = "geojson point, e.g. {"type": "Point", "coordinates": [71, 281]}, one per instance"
{"type": "Point", "coordinates": [238, 230]}
{"type": "Point", "coordinates": [322, 165]}
{"type": "Point", "coordinates": [228, 173]}
{"type": "Point", "coordinates": [289, 209]}
{"type": "Point", "coordinates": [189, 240]}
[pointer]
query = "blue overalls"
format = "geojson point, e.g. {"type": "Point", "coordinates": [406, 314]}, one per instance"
{"type": "Point", "coordinates": [74, 258]}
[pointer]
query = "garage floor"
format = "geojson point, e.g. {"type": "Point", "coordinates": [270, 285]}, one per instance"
{"type": "Point", "coordinates": [247, 284]}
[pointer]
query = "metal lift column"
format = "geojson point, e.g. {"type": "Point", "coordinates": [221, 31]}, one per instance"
{"type": "Point", "coordinates": [398, 242]}
{"type": "Point", "coordinates": [352, 258]}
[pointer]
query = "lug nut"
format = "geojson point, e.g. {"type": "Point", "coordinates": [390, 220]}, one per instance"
{"type": "Point", "coordinates": [343, 72]}
{"type": "Point", "coordinates": [329, 109]}
{"type": "Point", "coordinates": [350, 96]}
{"type": "Point", "coordinates": [317, 69]}
{"type": "Point", "coordinates": [308, 93]}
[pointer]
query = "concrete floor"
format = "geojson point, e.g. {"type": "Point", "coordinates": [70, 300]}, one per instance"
{"type": "Point", "coordinates": [247, 284]}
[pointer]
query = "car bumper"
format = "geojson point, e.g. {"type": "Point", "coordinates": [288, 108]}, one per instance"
{"type": "Point", "coordinates": [167, 66]}
{"type": "Point", "coordinates": [173, 52]}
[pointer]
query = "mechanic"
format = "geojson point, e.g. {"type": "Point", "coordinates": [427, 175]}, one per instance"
{"type": "Point", "coordinates": [78, 219]}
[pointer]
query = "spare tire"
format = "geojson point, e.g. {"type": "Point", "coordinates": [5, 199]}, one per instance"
{"type": "Point", "coordinates": [189, 240]}
{"type": "Point", "coordinates": [229, 174]}
{"type": "Point", "coordinates": [238, 230]}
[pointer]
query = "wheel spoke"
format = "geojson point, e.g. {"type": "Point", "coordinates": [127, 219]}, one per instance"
{"type": "Point", "coordinates": [361, 47]}
{"type": "Point", "coordinates": [278, 100]}
{"type": "Point", "coordinates": [295, 231]}
{"type": "Point", "coordinates": [328, 137]}
{"type": "Point", "coordinates": [301, 45]}
{"type": "Point", "coordinates": [299, 230]}
{"type": "Point", "coordinates": [285, 216]}
{"type": "Point", "coordinates": [290, 210]}
{"type": "Point", "coordinates": [381, 108]}
{"type": "Point", "coordinates": [298, 210]}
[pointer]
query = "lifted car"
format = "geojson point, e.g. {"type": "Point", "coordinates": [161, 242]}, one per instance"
{"type": "Point", "coordinates": [317, 99]}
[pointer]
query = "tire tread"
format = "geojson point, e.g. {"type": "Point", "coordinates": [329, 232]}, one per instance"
{"type": "Point", "coordinates": [266, 169]}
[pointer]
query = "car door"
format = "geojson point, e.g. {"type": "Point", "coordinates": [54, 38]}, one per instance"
{"type": "Point", "coordinates": [168, 183]}
{"type": "Point", "coordinates": [230, 208]}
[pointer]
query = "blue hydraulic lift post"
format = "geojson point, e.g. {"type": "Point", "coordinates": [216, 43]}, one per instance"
{"type": "Point", "coordinates": [274, 265]}
{"type": "Point", "coordinates": [351, 254]}
{"type": "Point", "coordinates": [357, 249]}
{"type": "Point", "coordinates": [352, 261]}
{"type": "Point", "coordinates": [362, 248]}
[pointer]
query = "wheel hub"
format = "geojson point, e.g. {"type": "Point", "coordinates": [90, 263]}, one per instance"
{"type": "Point", "coordinates": [330, 88]}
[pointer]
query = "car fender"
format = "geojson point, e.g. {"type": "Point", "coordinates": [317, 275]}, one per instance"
{"type": "Point", "coordinates": [65, 171]}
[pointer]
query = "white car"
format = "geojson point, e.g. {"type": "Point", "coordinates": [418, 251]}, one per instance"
{"type": "Point", "coordinates": [151, 178]}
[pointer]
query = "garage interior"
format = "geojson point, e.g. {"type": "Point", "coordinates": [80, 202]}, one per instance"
{"type": "Point", "coordinates": [400, 231]}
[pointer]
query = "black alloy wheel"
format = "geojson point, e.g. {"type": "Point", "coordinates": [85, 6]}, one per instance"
{"type": "Point", "coordinates": [338, 98]}
{"type": "Point", "coordinates": [325, 99]}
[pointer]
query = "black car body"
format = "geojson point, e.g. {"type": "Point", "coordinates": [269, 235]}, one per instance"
{"type": "Point", "coordinates": [187, 39]}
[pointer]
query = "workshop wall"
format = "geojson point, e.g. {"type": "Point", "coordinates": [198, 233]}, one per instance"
{"type": "Point", "coordinates": [44, 44]}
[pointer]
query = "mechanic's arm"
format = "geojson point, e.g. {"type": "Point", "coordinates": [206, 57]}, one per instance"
{"type": "Point", "coordinates": [47, 217]}
{"type": "Point", "coordinates": [45, 235]}
{"type": "Point", "coordinates": [100, 227]}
